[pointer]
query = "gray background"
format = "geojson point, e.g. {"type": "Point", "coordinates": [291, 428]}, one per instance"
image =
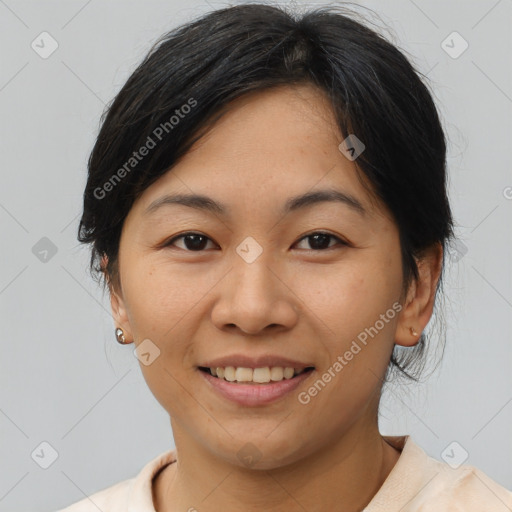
{"type": "Point", "coordinates": [65, 380]}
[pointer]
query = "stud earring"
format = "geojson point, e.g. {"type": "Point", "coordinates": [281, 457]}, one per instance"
{"type": "Point", "coordinates": [413, 332]}
{"type": "Point", "coordinates": [120, 336]}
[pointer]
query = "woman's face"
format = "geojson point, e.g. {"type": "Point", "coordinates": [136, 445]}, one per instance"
{"type": "Point", "coordinates": [257, 284]}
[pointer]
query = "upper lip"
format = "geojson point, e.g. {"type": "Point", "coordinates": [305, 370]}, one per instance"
{"type": "Point", "coordinates": [243, 361]}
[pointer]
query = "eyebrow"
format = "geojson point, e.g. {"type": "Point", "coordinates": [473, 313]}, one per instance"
{"type": "Point", "coordinates": [205, 203]}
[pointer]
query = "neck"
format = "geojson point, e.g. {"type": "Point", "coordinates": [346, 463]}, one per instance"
{"type": "Point", "coordinates": [343, 476]}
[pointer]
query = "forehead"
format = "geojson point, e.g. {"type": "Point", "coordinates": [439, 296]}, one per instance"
{"type": "Point", "coordinates": [276, 120]}
{"type": "Point", "coordinates": [262, 149]}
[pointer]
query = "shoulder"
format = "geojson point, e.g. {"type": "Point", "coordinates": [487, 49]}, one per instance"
{"type": "Point", "coordinates": [466, 488]}
{"type": "Point", "coordinates": [420, 482]}
{"type": "Point", "coordinates": [111, 499]}
{"type": "Point", "coordinates": [133, 494]}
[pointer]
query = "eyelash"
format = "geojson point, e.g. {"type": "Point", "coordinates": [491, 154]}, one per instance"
{"type": "Point", "coordinates": [183, 235]}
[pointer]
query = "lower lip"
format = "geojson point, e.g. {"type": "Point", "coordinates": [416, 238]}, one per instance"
{"type": "Point", "coordinates": [255, 394]}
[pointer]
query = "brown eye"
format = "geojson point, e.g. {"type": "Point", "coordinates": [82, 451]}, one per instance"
{"type": "Point", "coordinates": [320, 241]}
{"type": "Point", "coordinates": [197, 242]}
{"type": "Point", "coordinates": [194, 242]}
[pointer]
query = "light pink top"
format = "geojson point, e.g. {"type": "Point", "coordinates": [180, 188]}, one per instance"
{"type": "Point", "coordinates": [417, 483]}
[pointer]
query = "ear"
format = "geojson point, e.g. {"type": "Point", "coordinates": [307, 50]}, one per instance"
{"type": "Point", "coordinates": [117, 304]}
{"type": "Point", "coordinates": [419, 304]}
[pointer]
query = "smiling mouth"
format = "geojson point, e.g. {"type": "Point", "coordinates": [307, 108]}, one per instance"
{"type": "Point", "coordinates": [266, 375]}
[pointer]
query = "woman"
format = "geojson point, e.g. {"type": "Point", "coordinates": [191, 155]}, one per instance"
{"type": "Point", "coordinates": [267, 203]}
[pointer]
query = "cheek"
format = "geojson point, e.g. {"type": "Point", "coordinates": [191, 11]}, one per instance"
{"type": "Point", "coordinates": [347, 296]}
{"type": "Point", "coordinates": [159, 295]}
{"type": "Point", "coordinates": [159, 298]}
{"type": "Point", "coordinates": [353, 310]}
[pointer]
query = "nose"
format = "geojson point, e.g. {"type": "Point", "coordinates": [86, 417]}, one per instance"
{"type": "Point", "coordinates": [255, 298]}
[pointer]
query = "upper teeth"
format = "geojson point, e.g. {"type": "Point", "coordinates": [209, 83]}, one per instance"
{"type": "Point", "coordinates": [260, 375]}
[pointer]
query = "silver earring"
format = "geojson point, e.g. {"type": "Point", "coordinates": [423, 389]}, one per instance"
{"type": "Point", "coordinates": [120, 336]}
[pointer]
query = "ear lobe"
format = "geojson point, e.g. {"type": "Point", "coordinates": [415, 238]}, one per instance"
{"type": "Point", "coordinates": [420, 298]}
{"type": "Point", "coordinates": [409, 318]}
{"type": "Point", "coordinates": [119, 313]}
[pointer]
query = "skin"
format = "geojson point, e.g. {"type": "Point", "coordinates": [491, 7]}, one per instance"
{"type": "Point", "coordinates": [293, 300]}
